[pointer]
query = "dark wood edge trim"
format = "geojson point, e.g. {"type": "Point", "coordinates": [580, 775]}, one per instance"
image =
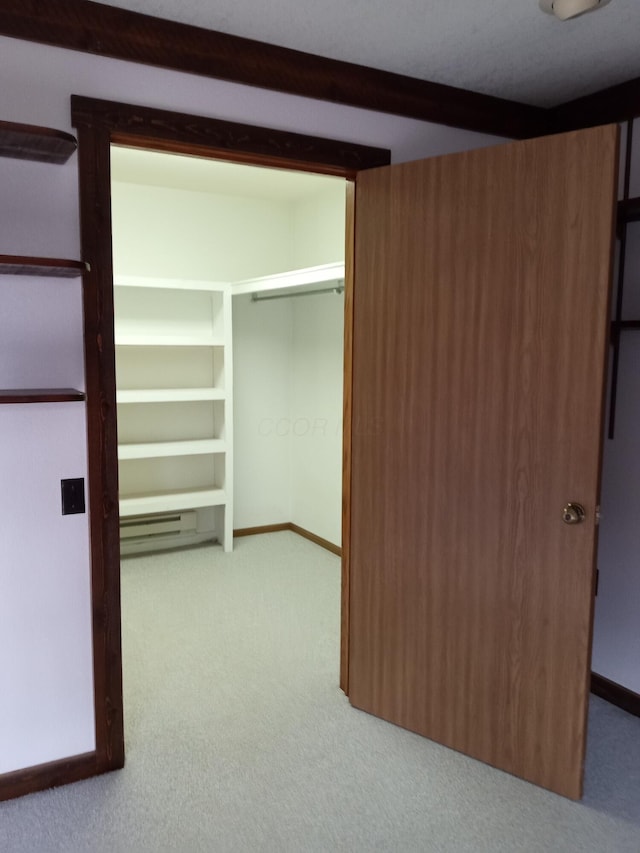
{"type": "Point", "coordinates": [264, 528]}
{"type": "Point", "coordinates": [94, 141]}
{"type": "Point", "coordinates": [616, 694]}
{"type": "Point", "coordinates": [118, 33]}
{"type": "Point", "coordinates": [43, 776]}
{"type": "Point", "coordinates": [629, 210]}
{"type": "Point", "coordinates": [55, 267]}
{"type": "Point", "coordinates": [145, 127]}
{"type": "Point", "coordinates": [248, 158]}
{"type": "Point", "coordinates": [318, 540]}
{"type": "Point", "coordinates": [99, 344]}
{"type": "Point", "coordinates": [294, 528]}
{"type": "Point", "coordinates": [347, 415]}
{"type": "Point", "coordinates": [40, 395]}
{"type": "Point", "coordinates": [30, 142]}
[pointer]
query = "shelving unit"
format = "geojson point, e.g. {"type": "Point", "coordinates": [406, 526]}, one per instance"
{"type": "Point", "coordinates": [28, 142]}
{"type": "Point", "coordinates": [174, 396]}
{"type": "Point", "coordinates": [308, 277]}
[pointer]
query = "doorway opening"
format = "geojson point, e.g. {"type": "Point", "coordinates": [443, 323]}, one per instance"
{"type": "Point", "coordinates": [229, 383]}
{"type": "Point", "coordinates": [99, 125]}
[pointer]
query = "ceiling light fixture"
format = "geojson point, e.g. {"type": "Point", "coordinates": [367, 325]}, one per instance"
{"type": "Point", "coordinates": [566, 9]}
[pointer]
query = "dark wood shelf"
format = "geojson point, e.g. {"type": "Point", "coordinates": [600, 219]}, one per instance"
{"type": "Point", "coordinates": [41, 395]}
{"type": "Point", "coordinates": [51, 267]}
{"type": "Point", "coordinates": [622, 326]}
{"type": "Point", "coordinates": [629, 210]}
{"type": "Point", "coordinates": [28, 142]}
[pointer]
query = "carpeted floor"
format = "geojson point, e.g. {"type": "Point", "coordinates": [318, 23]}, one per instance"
{"type": "Point", "coordinates": [239, 739]}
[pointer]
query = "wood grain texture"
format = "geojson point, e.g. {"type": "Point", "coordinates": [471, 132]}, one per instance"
{"type": "Point", "coordinates": [481, 322]}
{"type": "Point", "coordinates": [47, 267]}
{"type": "Point", "coordinates": [294, 528]}
{"type": "Point", "coordinates": [49, 775]}
{"type": "Point", "coordinates": [188, 134]}
{"type": "Point", "coordinates": [108, 31]}
{"type": "Point", "coordinates": [99, 123]}
{"type": "Point", "coordinates": [262, 528]}
{"type": "Point", "coordinates": [29, 142]}
{"type": "Point", "coordinates": [347, 413]}
{"type": "Point", "coordinates": [40, 395]}
{"type": "Point", "coordinates": [99, 346]}
{"type": "Point", "coordinates": [317, 540]}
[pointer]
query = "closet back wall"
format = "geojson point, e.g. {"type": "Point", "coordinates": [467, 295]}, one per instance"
{"type": "Point", "coordinates": [288, 353]}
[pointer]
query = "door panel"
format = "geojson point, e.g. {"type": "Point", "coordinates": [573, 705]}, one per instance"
{"type": "Point", "coordinates": [480, 331]}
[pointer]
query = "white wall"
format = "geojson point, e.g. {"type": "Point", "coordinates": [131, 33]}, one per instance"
{"type": "Point", "coordinates": [182, 234]}
{"type": "Point", "coordinates": [262, 348]}
{"type": "Point", "coordinates": [319, 227]}
{"type": "Point", "coordinates": [616, 642]}
{"type": "Point", "coordinates": [45, 659]}
{"type": "Point", "coordinates": [316, 415]}
{"type": "Point", "coordinates": [46, 711]}
{"type": "Point", "coordinates": [40, 216]}
{"type": "Point", "coordinates": [288, 386]}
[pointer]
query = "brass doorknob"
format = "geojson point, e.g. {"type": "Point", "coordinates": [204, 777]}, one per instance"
{"type": "Point", "coordinates": [573, 513]}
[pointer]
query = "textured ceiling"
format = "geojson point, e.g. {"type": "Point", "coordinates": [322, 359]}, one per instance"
{"type": "Point", "coordinates": [507, 48]}
{"type": "Point", "coordinates": [155, 168]}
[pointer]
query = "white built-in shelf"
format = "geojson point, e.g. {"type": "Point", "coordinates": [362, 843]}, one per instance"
{"type": "Point", "coordinates": [168, 283]}
{"type": "Point", "coordinates": [323, 274]}
{"type": "Point", "coordinates": [145, 340]}
{"type": "Point", "coordinates": [168, 395]}
{"type": "Point", "coordinates": [171, 501]}
{"type": "Point", "coordinates": [157, 449]}
{"type": "Point", "coordinates": [173, 345]}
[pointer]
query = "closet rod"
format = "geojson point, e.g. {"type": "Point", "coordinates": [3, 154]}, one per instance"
{"type": "Point", "coordinates": [339, 289]}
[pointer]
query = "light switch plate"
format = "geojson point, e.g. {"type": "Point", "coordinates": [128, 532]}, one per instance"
{"type": "Point", "coordinates": [73, 496]}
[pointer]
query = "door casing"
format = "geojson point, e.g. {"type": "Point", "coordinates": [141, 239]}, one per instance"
{"type": "Point", "coordinates": [99, 124]}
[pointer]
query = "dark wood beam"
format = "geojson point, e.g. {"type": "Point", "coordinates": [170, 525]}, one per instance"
{"type": "Point", "coordinates": [615, 104]}
{"type": "Point", "coordinates": [108, 31]}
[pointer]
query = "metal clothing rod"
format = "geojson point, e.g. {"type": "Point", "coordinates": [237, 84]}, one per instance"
{"type": "Point", "coordinates": [339, 289]}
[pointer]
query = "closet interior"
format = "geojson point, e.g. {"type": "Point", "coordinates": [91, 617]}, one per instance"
{"type": "Point", "coordinates": [229, 316]}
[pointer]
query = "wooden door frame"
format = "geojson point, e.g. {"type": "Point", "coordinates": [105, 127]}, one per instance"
{"type": "Point", "coordinates": [99, 125]}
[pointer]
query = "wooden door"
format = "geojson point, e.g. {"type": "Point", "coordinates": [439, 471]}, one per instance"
{"type": "Point", "coordinates": [481, 325]}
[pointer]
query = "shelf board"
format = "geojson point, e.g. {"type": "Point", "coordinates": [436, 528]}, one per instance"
{"type": "Point", "coordinates": [629, 210]}
{"type": "Point", "coordinates": [295, 278]}
{"type": "Point", "coordinates": [623, 325]}
{"type": "Point", "coordinates": [158, 449]}
{"type": "Point", "coordinates": [48, 267]}
{"type": "Point", "coordinates": [40, 395]}
{"type": "Point", "coordinates": [29, 142]}
{"type": "Point", "coordinates": [168, 395]}
{"type": "Point", "coordinates": [171, 501]}
{"type": "Point", "coordinates": [142, 340]}
{"type": "Point", "coordinates": [169, 283]}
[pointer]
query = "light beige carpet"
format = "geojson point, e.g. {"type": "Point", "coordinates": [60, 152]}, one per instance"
{"type": "Point", "coordinates": [239, 739]}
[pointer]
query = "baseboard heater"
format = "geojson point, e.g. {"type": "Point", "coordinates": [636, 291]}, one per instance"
{"type": "Point", "coordinates": [154, 526]}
